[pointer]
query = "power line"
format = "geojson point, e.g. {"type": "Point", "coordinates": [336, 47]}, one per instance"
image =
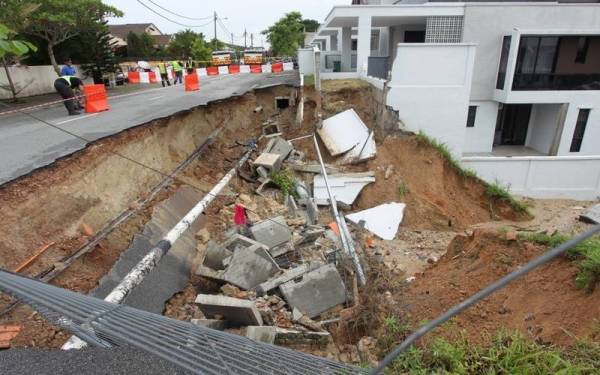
{"type": "Point", "coordinates": [179, 15]}
{"type": "Point", "coordinates": [170, 20]}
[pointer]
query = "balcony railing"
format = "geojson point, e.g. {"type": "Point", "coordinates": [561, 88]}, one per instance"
{"type": "Point", "coordinates": [552, 81]}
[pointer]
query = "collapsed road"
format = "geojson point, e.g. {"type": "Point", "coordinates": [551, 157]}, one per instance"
{"type": "Point", "coordinates": [27, 143]}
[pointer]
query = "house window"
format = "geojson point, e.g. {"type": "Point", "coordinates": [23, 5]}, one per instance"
{"type": "Point", "coordinates": [354, 45]}
{"type": "Point", "coordinates": [471, 116]}
{"type": "Point", "coordinates": [582, 48]}
{"type": "Point", "coordinates": [503, 63]}
{"type": "Point", "coordinates": [582, 119]}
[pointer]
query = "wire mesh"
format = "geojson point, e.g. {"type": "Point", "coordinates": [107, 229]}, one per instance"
{"type": "Point", "coordinates": [194, 348]}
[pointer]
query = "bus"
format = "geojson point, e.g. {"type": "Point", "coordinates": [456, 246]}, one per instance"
{"type": "Point", "coordinates": [254, 56]}
{"type": "Point", "coordinates": [220, 58]}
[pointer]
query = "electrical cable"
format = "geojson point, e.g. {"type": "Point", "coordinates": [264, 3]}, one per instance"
{"type": "Point", "coordinates": [483, 293]}
{"type": "Point", "coordinates": [170, 20]}
{"type": "Point", "coordinates": [179, 15]}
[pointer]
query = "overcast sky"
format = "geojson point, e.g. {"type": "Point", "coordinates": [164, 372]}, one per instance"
{"type": "Point", "coordinates": [254, 15]}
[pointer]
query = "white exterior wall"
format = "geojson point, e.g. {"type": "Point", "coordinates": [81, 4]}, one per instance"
{"type": "Point", "coordinates": [306, 61]}
{"type": "Point", "coordinates": [573, 177]}
{"type": "Point", "coordinates": [480, 138]}
{"type": "Point", "coordinates": [430, 88]}
{"type": "Point", "coordinates": [37, 79]}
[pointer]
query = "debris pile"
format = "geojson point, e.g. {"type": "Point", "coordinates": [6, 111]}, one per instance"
{"type": "Point", "coordinates": [283, 278]}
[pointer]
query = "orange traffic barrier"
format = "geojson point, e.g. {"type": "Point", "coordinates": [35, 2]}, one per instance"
{"type": "Point", "coordinates": [133, 77]}
{"type": "Point", "coordinates": [95, 98]}
{"type": "Point", "coordinates": [152, 77]}
{"type": "Point", "coordinates": [212, 70]}
{"type": "Point", "coordinates": [277, 67]}
{"type": "Point", "coordinates": [191, 82]}
{"type": "Point", "coordinates": [234, 69]}
{"type": "Point", "coordinates": [255, 69]}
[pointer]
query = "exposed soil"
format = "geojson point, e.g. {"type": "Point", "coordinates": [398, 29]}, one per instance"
{"type": "Point", "coordinates": [545, 304]}
{"type": "Point", "coordinates": [92, 186]}
{"type": "Point", "coordinates": [437, 196]}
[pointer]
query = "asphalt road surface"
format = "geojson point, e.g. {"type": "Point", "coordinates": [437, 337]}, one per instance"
{"type": "Point", "coordinates": [27, 143]}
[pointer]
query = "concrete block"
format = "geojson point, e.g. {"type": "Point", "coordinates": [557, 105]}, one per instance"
{"type": "Point", "coordinates": [287, 337]}
{"type": "Point", "coordinates": [217, 324]}
{"type": "Point", "coordinates": [272, 232]}
{"type": "Point", "coordinates": [209, 273]}
{"type": "Point", "coordinates": [316, 291]}
{"type": "Point", "coordinates": [591, 215]}
{"type": "Point", "coordinates": [236, 240]}
{"type": "Point", "coordinates": [291, 274]}
{"type": "Point", "coordinates": [249, 267]}
{"type": "Point", "coordinates": [270, 161]}
{"type": "Point", "coordinates": [279, 146]}
{"type": "Point", "coordinates": [234, 310]}
{"type": "Point", "coordinates": [215, 254]}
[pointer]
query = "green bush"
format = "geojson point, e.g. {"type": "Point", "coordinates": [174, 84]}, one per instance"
{"type": "Point", "coordinates": [285, 181]}
{"type": "Point", "coordinates": [496, 191]}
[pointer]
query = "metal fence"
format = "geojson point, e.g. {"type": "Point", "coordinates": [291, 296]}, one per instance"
{"type": "Point", "coordinates": [195, 348]}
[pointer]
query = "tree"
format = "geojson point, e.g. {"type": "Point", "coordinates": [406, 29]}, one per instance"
{"type": "Point", "coordinates": [139, 45]}
{"type": "Point", "coordinates": [58, 20]}
{"type": "Point", "coordinates": [310, 26]}
{"type": "Point", "coordinates": [217, 45]}
{"type": "Point", "coordinates": [100, 56]}
{"type": "Point", "coordinates": [201, 50]}
{"type": "Point", "coordinates": [286, 35]}
{"type": "Point", "coordinates": [10, 47]}
{"type": "Point", "coordinates": [182, 43]}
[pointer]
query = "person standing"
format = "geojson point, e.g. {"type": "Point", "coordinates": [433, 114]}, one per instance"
{"type": "Point", "coordinates": [178, 70]}
{"type": "Point", "coordinates": [189, 65]}
{"type": "Point", "coordinates": [68, 69]}
{"type": "Point", "coordinates": [164, 75]}
{"type": "Point", "coordinates": [65, 85]}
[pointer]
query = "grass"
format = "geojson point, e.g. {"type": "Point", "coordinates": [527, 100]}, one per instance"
{"type": "Point", "coordinates": [586, 255]}
{"type": "Point", "coordinates": [494, 191]}
{"type": "Point", "coordinates": [497, 192]}
{"type": "Point", "coordinates": [401, 190]}
{"type": "Point", "coordinates": [506, 354]}
{"type": "Point", "coordinates": [285, 181]}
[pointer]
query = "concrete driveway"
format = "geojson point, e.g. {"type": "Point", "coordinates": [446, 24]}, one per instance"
{"type": "Point", "coordinates": [27, 144]}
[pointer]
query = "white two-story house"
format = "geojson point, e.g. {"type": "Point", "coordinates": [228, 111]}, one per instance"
{"type": "Point", "coordinates": [513, 88]}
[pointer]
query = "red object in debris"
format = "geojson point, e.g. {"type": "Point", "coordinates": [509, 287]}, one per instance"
{"type": "Point", "coordinates": [7, 333]}
{"type": "Point", "coordinates": [334, 227]}
{"type": "Point", "coordinates": [239, 215]}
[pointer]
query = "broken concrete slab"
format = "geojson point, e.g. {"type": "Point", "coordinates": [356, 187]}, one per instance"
{"type": "Point", "coordinates": [591, 215]}
{"type": "Point", "coordinates": [272, 162]}
{"type": "Point", "coordinates": [316, 291]}
{"type": "Point", "coordinates": [248, 267]}
{"type": "Point", "coordinates": [382, 220]}
{"type": "Point", "coordinates": [312, 168]}
{"type": "Point", "coordinates": [287, 337]}
{"type": "Point", "coordinates": [209, 273]}
{"type": "Point", "coordinates": [234, 310]}
{"type": "Point", "coordinates": [236, 240]}
{"type": "Point", "coordinates": [345, 133]}
{"type": "Point", "coordinates": [272, 232]}
{"type": "Point", "coordinates": [280, 147]}
{"type": "Point", "coordinates": [344, 187]}
{"type": "Point", "coordinates": [215, 254]}
{"type": "Point", "coordinates": [288, 275]}
{"type": "Point", "coordinates": [217, 324]}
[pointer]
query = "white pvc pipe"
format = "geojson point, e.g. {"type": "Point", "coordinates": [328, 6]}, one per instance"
{"type": "Point", "coordinates": [150, 260]}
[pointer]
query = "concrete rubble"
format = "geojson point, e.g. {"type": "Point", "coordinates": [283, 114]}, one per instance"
{"type": "Point", "coordinates": [281, 273]}
{"type": "Point", "coordinates": [591, 215]}
{"type": "Point", "coordinates": [346, 134]}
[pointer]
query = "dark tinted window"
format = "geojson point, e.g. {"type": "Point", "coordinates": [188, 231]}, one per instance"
{"type": "Point", "coordinates": [471, 116]}
{"type": "Point", "coordinates": [582, 119]}
{"type": "Point", "coordinates": [503, 62]}
{"type": "Point", "coordinates": [582, 49]}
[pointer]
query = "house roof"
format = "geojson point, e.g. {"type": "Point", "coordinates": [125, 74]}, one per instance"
{"type": "Point", "coordinates": [121, 31]}
{"type": "Point", "coordinates": [162, 40]}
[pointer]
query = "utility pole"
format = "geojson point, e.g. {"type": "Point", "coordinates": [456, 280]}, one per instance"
{"type": "Point", "coordinates": [251, 40]}
{"type": "Point", "coordinates": [215, 25]}
{"type": "Point", "coordinates": [245, 38]}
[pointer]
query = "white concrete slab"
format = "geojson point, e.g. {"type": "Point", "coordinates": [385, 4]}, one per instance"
{"type": "Point", "coordinates": [344, 187]}
{"type": "Point", "coordinates": [383, 221]}
{"type": "Point", "coordinates": [345, 133]}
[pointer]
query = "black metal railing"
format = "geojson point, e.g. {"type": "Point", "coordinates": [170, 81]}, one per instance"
{"type": "Point", "coordinates": [553, 81]}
